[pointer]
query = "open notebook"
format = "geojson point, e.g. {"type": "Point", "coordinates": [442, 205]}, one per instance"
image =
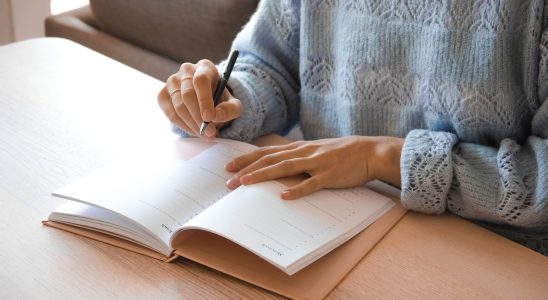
{"type": "Point", "coordinates": [179, 206]}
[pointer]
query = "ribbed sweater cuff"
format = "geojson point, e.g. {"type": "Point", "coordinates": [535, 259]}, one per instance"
{"type": "Point", "coordinates": [426, 170]}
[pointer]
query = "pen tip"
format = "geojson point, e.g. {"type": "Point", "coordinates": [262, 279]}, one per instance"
{"type": "Point", "coordinates": [203, 128]}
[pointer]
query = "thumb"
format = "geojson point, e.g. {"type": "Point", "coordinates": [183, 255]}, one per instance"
{"type": "Point", "coordinates": [228, 110]}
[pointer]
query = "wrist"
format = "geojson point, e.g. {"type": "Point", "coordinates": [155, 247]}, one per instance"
{"type": "Point", "coordinates": [385, 162]}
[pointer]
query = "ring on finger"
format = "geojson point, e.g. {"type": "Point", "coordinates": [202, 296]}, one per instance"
{"type": "Point", "coordinates": [186, 82]}
{"type": "Point", "coordinates": [173, 92]}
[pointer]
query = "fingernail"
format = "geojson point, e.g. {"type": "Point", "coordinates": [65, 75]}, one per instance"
{"type": "Point", "coordinates": [207, 115]}
{"type": "Point", "coordinates": [219, 115]}
{"type": "Point", "coordinates": [210, 131]}
{"type": "Point", "coordinates": [286, 195]}
{"type": "Point", "coordinates": [232, 183]}
{"type": "Point", "coordinates": [229, 166]}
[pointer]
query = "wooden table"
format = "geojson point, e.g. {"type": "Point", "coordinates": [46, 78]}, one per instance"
{"type": "Point", "coordinates": [66, 110]}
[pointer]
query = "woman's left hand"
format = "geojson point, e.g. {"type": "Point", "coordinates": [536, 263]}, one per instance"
{"type": "Point", "coordinates": [330, 163]}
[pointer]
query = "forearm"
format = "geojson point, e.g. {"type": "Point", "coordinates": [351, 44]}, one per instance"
{"type": "Point", "coordinates": [386, 160]}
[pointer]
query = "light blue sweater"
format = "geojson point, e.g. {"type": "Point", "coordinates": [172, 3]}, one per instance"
{"type": "Point", "coordinates": [465, 82]}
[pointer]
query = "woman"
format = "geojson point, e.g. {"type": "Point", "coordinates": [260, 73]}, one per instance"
{"type": "Point", "coordinates": [445, 99]}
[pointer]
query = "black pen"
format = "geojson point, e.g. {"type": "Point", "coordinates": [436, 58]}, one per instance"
{"type": "Point", "coordinates": [221, 85]}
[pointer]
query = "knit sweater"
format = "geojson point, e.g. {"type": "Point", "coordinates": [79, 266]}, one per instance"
{"type": "Point", "coordinates": [464, 82]}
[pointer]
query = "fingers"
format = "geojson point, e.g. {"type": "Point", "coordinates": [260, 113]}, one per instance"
{"type": "Point", "coordinates": [189, 92]}
{"type": "Point", "coordinates": [166, 105]}
{"type": "Point", "coordinates": [275, 162]}
{"type": "Point", "coordinates": [187, 99]}
{"type": "Point", "coordinates": [172, 103]}
{"type": "Point", "coordinates": [272, 166]}
{"type": "Point", "coordinates": [243, 161]}
{"type": "Point", "coordinates": [228, 110]}
{"type": "Point", "coordinates": [306, 187]}
{"type": "Point", "coordinates": [205, 79]}
{"type": "Point", "coordinates": [183, 113]}
{"type": "Point", "coordinates": [282, 169]}
{"type": "Point", "coordinates": [320, 159]}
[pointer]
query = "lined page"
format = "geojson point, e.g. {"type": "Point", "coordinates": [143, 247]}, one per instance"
{"type": "Point", "coordinates": [293, 233]}
{"type": "Point", "coordinates": [157, 194]}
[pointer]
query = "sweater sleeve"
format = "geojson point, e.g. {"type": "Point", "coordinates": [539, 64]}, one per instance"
{"type": "Point", "coordinates": [265, 77]}
{"type": "Point", "coordinates": [505, 185]}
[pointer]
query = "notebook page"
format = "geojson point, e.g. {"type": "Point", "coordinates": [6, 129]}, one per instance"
{"type": "Point", "coordinates": [291, 233]}
{"type": "Point", "coordinates": [157, 194]}
{"type": "Point", "coordinates": [104, 220]}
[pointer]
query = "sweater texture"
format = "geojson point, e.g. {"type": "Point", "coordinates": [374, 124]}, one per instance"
{"type": "Point", "coordinates": [464, 82]}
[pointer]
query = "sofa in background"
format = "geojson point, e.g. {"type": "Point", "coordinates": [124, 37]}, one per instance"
{"type": "Point", "coordinates": [155, 37]}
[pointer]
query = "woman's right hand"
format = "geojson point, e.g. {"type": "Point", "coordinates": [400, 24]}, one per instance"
{"type": "Point", "coordinates": [187, 99]}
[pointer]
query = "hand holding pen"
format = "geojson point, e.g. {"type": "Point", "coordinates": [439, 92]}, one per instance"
{"type": "Point", "coordinates": [190, 103]}
{"type": "Point", "coordinates": [221, 85]}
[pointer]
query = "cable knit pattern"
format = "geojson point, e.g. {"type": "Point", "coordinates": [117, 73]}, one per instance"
{"type": "Point", "coordinates": [465, 82]}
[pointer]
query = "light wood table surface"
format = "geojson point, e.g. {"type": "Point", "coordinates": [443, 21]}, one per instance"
{"type": "Point", "coordinates": [66, 110]}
